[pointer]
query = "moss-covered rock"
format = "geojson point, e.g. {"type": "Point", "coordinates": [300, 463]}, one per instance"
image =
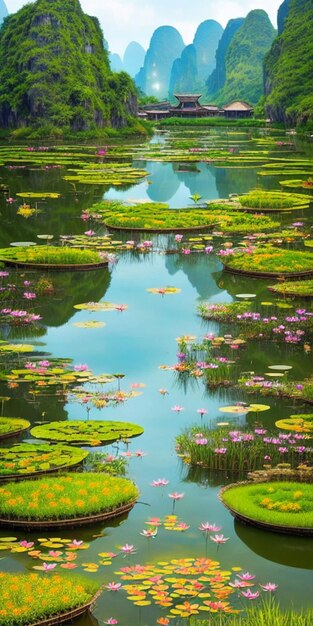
{"type": "Point", "coordinates": [54, 71]}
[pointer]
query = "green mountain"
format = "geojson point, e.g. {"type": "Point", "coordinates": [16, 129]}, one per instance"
{"type": "Point", "coordinates": [184, 75]}
{"type": "Point", "coordinates": [282, 15]}
{"type": "Point", "coordinates": [133, 59]}
{"type": "Point", "coordinates": [55, 72]}
{"type": "Point", "coordinates": [217, 79]}
{"type": "Point", "coordinates": [289, 68]}
{"type": "Point", "coordinates": [244, 59]}
{"type": "Point", "coordinates": [205, 41]}
{"type": "Point", "coordinates": [166, 45]}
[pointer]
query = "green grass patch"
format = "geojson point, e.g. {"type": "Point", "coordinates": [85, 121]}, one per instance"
{"type": "Point", "coordinates": [268, 614]}
{"type": "Point", "coordinates": [50, 255]}
{"type": "Point", "coordinates": [65, 497]}
{"type": "Point", "coordinates": [280, 504]}
{"type": "Point", "coordinates": [29, 598]}
{"type": "Point", "coordinates": [273, 201]}
{"type": "Point", "coordinates": [92, 433]}
{"type": "Point", "coordinates": [26, 458]}
{"type": "Point", "coordinates": [299, 288]}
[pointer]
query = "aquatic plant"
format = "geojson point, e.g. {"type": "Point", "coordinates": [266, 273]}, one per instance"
{"type": "Point", "coordinates": [300, 288]}
{"type": "Point", "coordinates": [258, 199]}
{"type": "Point", "coordinates": [28, 598]}
{"type": "Point", "coordinates": [240, 449]}
{"type": "Point", "coordinates": [92, 433]}
{"type": "Point", "coordinates": [12, 425]}
{"type": "Point", "coordinates": [50, 255]}
{"type": "Point", "coordinates": [286, 504]}
{"type": "Point", "coordinates": [302, 423]}
{"type": "Point", "coordinates": [65, 497]}
{"type": "Point", "coordinates": [271, 260]}
{"type": "Point", "coordinates": [27, 459]}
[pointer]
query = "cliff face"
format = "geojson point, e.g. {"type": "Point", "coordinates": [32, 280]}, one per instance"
{"type": "Point", "coordinates": [133, 58]}
{"type": "Point", "coordinates": [184, 75]}
{"type": "Point", "coordinates": [205, 42]}
{"type": "Point", "coordinates": [54, 69]}
{"type": "Point", "coordinates": [217, 79]}
{"type": "Point", "coordinates": [244, 59]}
{"type": "Point", "coordinates": [166, 45]}
{"type": "Point", "coordinates": [288, 68]}
{"type": "Point", "coordinates": [282, 15]}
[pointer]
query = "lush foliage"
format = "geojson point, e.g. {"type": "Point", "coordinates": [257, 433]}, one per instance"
{"type": "Point", "coordinates": [268, 613]}
{"type": "Point", "coordinates": [67, 496]}
{"type": "Point", "coordinates": [302, 288]}
{"type": "Point", "coordinates": [282, 504]}
{"type": "Point", "coordinates": [239, 450]}
{"type": "Point", "coordinates": [55, 71]}
{"type": "Point", "coordinates": [273, 200]}
{"type": "Point", "coordinates": [289, 68]}
{"type": "Point", "coordinates": [86, 433]}
{"type": "Point", "coordinates": [25, 458]}
{"type": "Point", "coordinates": [244, 59]}
{"type": "Point", "coordinates": [28, 598]}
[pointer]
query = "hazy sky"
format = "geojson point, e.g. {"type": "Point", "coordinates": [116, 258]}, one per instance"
{"type": "Point", "coordinates": [126, 20]}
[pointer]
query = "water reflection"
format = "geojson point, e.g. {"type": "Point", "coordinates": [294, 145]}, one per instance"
{"type": "Point", "coordinates": [282, 549]}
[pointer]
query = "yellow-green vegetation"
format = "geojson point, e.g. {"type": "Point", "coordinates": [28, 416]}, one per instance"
{"type": "Point", "coordinates": [153, 217]}
{"type": "Point", "coordinates": [288, 504]}
{"type": "Point", "coordinates": [301, 288]}
{"type": "Point", "coordinates": [27, 459]}
{"type": "Point", "coordinates": [268, 613]}
{"type": "Point", "coordinates": [50, 255]}
{"type": "Point", "coordinates": [271, 260]}
{"type": "Point", "coordinates": [28, 598]}
{"type": "Point", "coordinates": [91, 433]}
{"type": "Point", "coordinates": [302, 423]}
{"type": "Point", "coordinates": [116, 174]}
{"type": "Point", "coordinates": [260, 200]}
{"type": "Point", "coordinates": [64, 497]}
{"type": "Point", "coordinates": [11, 425]}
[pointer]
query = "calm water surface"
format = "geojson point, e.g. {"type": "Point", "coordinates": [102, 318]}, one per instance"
{"type": "Point", "coordinates": [136, 342]}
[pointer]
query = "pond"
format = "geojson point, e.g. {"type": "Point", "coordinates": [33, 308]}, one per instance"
{"type": "Point", "coordinates": [140, 339]}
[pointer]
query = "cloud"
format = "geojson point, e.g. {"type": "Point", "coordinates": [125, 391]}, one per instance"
{"type": "Point", "coordinates": [123, 21]}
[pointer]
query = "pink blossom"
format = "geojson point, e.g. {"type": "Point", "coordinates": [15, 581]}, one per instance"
{"type": "Point", "coordinates": [177, 408]}
{"type": "Point", "coordinates": [250, 595]}
{"type": "Point", "coordinates": [269, 587]}
{"type": "Point", "coordinates": [113, 586]}
{"type": "Point", "coordinates": [219, 539]}
{"type": "Point", "coordinates": [206, 527]}
{"type": "Point", "coordinates": [176, 496]}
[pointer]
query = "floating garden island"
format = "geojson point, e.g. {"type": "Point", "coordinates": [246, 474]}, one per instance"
{"type": "Point", "coordinates": [66, 501]}
{"type": "Point", "coordinates": [91, 433]}
{"type": "Point", "coordinates": [26, 459]}
{"type": "Point", "coordinates": [270, 262]}
{"type": "Point", "coordinates": [52, 258]}
{"type": "Point", "coordinates": [294, 289]}
{"type": "Point", "coordinates": [273, 201]}
{"type": "Point", "coordinates": [12, 427]}
{"type": "Point", "coordinates": [283, 507]}
{"type": "Point", "coordinates": [29, 600]}
{"type": "Point", "coordinates": [302, 423]}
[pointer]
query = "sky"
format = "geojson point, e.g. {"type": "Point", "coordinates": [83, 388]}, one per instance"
{"type": "Point", "coordinates": [123, 21]}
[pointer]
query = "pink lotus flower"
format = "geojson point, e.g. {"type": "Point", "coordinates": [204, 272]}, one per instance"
{"type": "Point", "coordinates": [128, 549]}
{"type": "Point", "coordinates": [151, 532]}
{"type": "Point", "coordinates": [120, 307]}
{"type": "Point", "coordinates": [111, 620]}
{"type": "Point", "coordinates": [250, 595]}
{"type": "Point", "coordinates": [26, 544]}
{"type": "Point", "coordinates": [218, 539]}
{"type": "Point", "coordinates": [269, 587]}
{"type": "Point", "coordinates": [140, 453]}
{"type": "Point", "coordinates": [176, 496]}
{"type": "Point", "coordinates": [206, 527]}
{"type": "Point", "coordinates": [202, 412]}
{"type": "Point", "coordinates": [113, 586]}
{"type": "Point", "coordinates": [246, 576]}
{"type": "Point", "coordinates": [81, 368]}
{"type": "Point", "coordinates": [160, 482]}
{"type": "Point", "coordinates": [89, 233]}
{"type": "Point", "coordinates": [49, 566]}
{"type": "Point", "coordinates": [75, 544]}
{"type": "Point", "coordinates": [177, 408]}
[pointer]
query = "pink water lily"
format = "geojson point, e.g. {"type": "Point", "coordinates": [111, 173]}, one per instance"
{"type": "Point", "coordinates": [202, 412]}
{"type": "Point", "coordinates": [111, 620]}
{"type": "Point", "coordinates": [150, 533]}
{"type": "Point", "coordinates": [26, 544]}
{"type": "Point", "coordinates": [160, 482]}
{"type": "Point", "coordinates": [128, 549]}
{"type": "Point", "coordinates": [269, 587]}
{"type": "Point", "coordinates": [49, 566]}
{"type": "Point", "coordinates": [219, 539]}
{"type": "Point", "coordinates": [177, 408]}
{"type": "Point", "coordinates": [206, 527]}
{"type": "Point", "coordinates": [176, 496]}
{"type": "Point", "coordinates": [55, 553]}
{"type": "Point", "coordinates": [250, 595]}
{"type": "Point", "coordinates": [113, 586]}
{"type": "Point", "coordinates": [75, 544]}
{"type": "Point", "coordinates": [246, 576]}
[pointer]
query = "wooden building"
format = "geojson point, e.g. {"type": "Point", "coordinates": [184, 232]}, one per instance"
{"type": "Point", "coordinates": [237, 110]}
{"type": "Point", "coordinates": [189, 107]}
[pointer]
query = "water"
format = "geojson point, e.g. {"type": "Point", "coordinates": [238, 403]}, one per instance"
{"type": "Point", "coordinates": [136, 342]}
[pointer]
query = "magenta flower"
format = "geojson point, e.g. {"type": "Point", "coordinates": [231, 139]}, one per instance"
{"type": "Point", "coordinates": [26, 544]}
{"type": "Point", "coordinates": [269, 587]}
{"type": "Point", "coordinates": [81, 368]}
{"type": "Point", "coordinates": [113, 586]}
{"type": "Point", "coordinates": [89, 233]}
{"type": "Point", "coordinates": [111, 620]}
{"type": "Point", "coordinates": [29, 295]}
{"type": "Point", "coordinates": [250, 595]}
{"type": "Point", "coordinates": [202, 412]}
{"type": "Point", "coordinates": [49, 566]}
{"type": "Point", "coordinates": [218, 539]}
{"type": "Point", "coordinates": [120, 307]}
